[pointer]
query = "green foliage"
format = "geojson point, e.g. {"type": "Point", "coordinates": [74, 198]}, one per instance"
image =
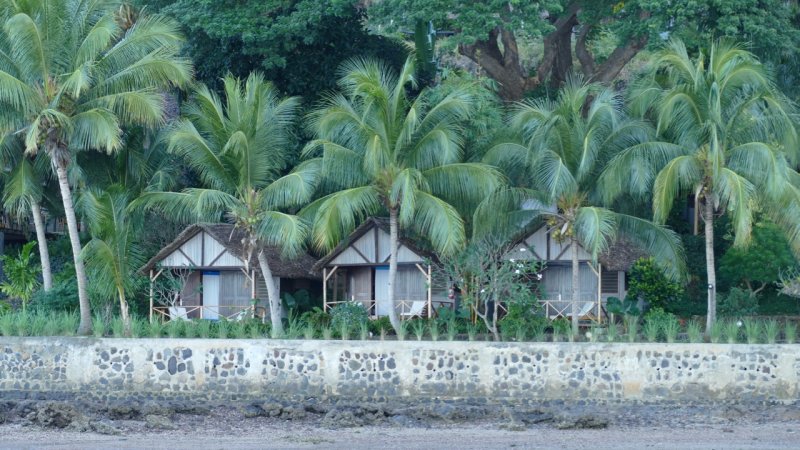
{"type": "Point", "coordinates": [299, 300]}
{"type": "Point", "coordinates": [21, 272]}
{"type": "Point", "coordinates": [731, 330]}
{"type": "Point", "coordinates": [647, 280]}
{"type": "Point", "coordinates": [346, 318]}
{"type": "Point", "coordinates": [316, 317]}
{"type": "Point", "coordinates": [523, 320]}
{"type": "Point", "coordinates": [62, 297]}
{"type": "Point", "coordinates": [790, 332]}
{"type": "Point", "coordinates": [737, 303]}
{"type": "Point", "coordinates": [771, 331]}
{"type": "Point", "coordinates": [379, 326]}
{"type": "Point", "coordinates": [694, 332]}
{"type": "Point", "coordinates": [752, 330]}
{"type": "Point", "coordinates": [628, 307]}
{"type": "Point", "coordinates": [561, 328]}
{"type": "Point", "coordinates": [292, 42]}
{"type": "Point", "coordinates": [759, 264]}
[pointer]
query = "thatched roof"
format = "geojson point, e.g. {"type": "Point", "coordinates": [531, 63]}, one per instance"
{"type": "Point", "coordinates": [232, 239]}
{"type": "Point", "coordinates": [621, 255]}
{"type": "Point", "coordinates": [381, 223]}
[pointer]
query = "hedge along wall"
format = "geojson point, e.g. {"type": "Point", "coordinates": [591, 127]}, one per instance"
{"type": "Point", "coordinates": [215, 370]}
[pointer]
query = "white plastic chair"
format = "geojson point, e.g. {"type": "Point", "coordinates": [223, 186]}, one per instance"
{"type": "Point", "coordinates": [417, 307]}
{"type": "Point", "coordinates": [178, 313]}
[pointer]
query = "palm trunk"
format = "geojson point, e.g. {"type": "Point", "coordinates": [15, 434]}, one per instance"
{"type": "Point", "coordinates": [123, 308]}
{"type": "Point", "coordinates": [44, 254]}
{"type": "Point", "coordinates": [711, 317]}
{"type": "Point", "coordinates": [275, 305]}
{"type": "Point", "coordinates": [575, 287]}
{"type": "Point", "coordinates": [394, 243]}
{"type": "Point", "coordinates": [85, 327]}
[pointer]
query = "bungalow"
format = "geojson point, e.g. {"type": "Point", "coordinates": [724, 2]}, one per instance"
{"type": "Point", "coordinates": [208, 260]}
{"type": "Point", "coordinates": [358, 270]}
{"type": "Point", "coordinates": [598, 282]}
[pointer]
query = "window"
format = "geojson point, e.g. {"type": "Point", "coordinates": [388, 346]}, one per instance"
{"type": "Point", "coordinates": [609, 282]}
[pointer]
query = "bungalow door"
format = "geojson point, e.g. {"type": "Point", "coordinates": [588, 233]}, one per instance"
{"type": "Point", "coordinates": [211, 295]}
{"type": "Point", "coordinates": [382, 291]}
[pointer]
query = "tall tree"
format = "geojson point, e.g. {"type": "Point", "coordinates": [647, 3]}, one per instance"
{"type": "Point", "coordinates": [728, 139]}
{"type": "Point", "coordinates": [112, 255]}
{"type": "Point", "coordinates": [286, 40]}
{"type": "Point", "coordinates": [240, 148]}
{"type": "Point", "coordinates": [23, 192]}
{"type": "Point", "coordinates": [72, 76]}
{"type": "Point", "coordinates": [565, 146]}
{"type": "Point", "coordinates": [383, 152]}
{"type": "Point", "coordinates": [523, 45]}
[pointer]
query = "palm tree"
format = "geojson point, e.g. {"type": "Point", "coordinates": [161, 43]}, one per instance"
{"type": "Point", "coordinates": [563, 149]}
{"type": "Point", "coordinates": [382, 151]}
{"type": "Point", "coordinates": [23, 191]}
{"type": "Point", "coordinates": [71, 77]}
{"type": "Point", "coordinates": [728, 140]}
{"type": "Point", "coordinates": [240, 148]}
{"type": "Point", "coordinates": [113, 255]}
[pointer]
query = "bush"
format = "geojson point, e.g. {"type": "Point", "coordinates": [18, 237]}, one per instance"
{"type": "Point", "coordinates": [346, 318]}
{"type": "Point", "coordinates": [522, 321]}
{"type": "Point", "coordinates": [647, 280]}
{"type": "Point", "coordinates": [737, 303]}
{"type": "Point", "coordinates": [62, 297]}
{"type": "Point", "coordinates": [376, 325]}
{"type": "Point", "coordinates": [316, 317]}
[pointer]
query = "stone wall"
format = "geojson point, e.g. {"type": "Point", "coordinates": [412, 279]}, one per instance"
{"type": "Point", "coordinates": [216, 370]}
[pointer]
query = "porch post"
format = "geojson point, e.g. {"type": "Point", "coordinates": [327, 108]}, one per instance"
{"type": "Point", "coordinates": [324, 288]}
{"type": "Point", "coordinates": [253, 284]}
{"type": "Point", "coordinates": [430, 290]}
{"type": "Point", "coordinates": [151, 295]}
{"type": "Point", "coordinates": [599, 293]}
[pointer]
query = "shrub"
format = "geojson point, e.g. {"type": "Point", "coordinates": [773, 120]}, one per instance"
{"type": "Point", "coordinates": [346, 318]}
{"type": "Point", "coordinates": [561, 327]}
{"type": "Point", "coordinates": [737, 303]}
{"type": "Point", "coordinates": [522, 320]}
{"type": "Point", "coordinates": [381, 324]}
{"type": "Point", "coordinates": [694, 332]}
{"type": "Point", "coordinates": [647, 280]}
{"type": "Point", "coordinates": [628, 307]}
{"type": "Point", "coordinates": [317, 318]}
{"type": "Point", "coordinates": [656, 323]}
{"type": "Point", "coordinates": [62, 297]}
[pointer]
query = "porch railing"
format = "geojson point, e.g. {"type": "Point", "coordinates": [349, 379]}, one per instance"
{"type": "Point", "coordinates": [588, 309]}
{"type": "Point", "coordinates": [227, 312]}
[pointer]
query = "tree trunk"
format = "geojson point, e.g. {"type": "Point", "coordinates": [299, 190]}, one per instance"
{"type": "Point", "coordinates": [123, 308]}
{"type": "Point", "coordinates": [394, 243]}
{"type": "Point", "coordinates": [575, 287]}
{"type": "Point", "coordinates": [85, 327]}
{"type": "Point", "coordinates": [44, 254]}
{"type": "Point", "coordinates": [711, 317]}
{"type": "Point", "coordinates": [275, 305]}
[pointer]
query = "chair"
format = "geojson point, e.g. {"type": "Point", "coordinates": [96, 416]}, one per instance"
{"type": "Point", "coordinates": [178, 313]}
{"type": "Point", "coordinates": [584, 311]}
{"type": "Point", "coordinates": [416, 310]}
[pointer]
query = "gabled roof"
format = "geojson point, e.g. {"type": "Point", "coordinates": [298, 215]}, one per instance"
{"type": "Point", "coordinates": [620, 255]}
{"type": "Point", "coordinates": [232, 239]}
{"type": "Point", "coordinates": [380, 223]}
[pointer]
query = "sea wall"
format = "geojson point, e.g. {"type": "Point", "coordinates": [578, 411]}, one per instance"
{"type": "Point", "coordinates": [220, 370]}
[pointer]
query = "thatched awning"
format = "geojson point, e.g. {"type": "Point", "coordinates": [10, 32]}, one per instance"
{"type": "Point", "coordinates": [232, 239]}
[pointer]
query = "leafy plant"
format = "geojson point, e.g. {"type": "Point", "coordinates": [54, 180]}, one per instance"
{"type": "Point", "coordinates": [717, 332]}
{"type": "Point", "coordinates": [309, 331]}
{"type": "Point", "coordinates": [472, 331]}
{"type": "Point", "coordinates": [646, 280]}
{"type": "Point", "coordinates": [190, 329]}
{"type": "Point", "coordinates": [561, 328]}
{"type": "Point", "coordinates": [671, 326]}
{"type": "Point", "coordinates": [694, 332]}
{"type": "Point", "coordinates": [380, 324]}
{"type": "Point", "coordinates": [204, 329]}
{"type": "Point", "coordinates": [612, 332]}
{"type": "Point", "coordinates": [628, 307]}
{"type": "Point", "coordinates": [631, 327]}
{"type": "Point", "coordinates": [99, 326]}
{"type": "Point", "coordinates": [347, 318]}
{"type": "Point", "coordinates": [790, 332]}
{"type": "Point", "coordinates": [418, 327]}
{"type": "Point", "coordinates": [771, 331]}
{"type": "Point", "coordinates": [155, 329]}
{"type": "Point", "coordinates": [175, 328]}
{"type": "Point", "coordinates": [752, 330]}
{"type": "Point", "coordinates": [731, 330]}
{"type": "Point", "coordinates": [737, 303]}
{"type": "Point", "coordinates": [327, 332]}
{"type": "Point", "coordinates": [364, 332]}
{"type": "Point", "coordinates": [651, 329]}
{"type": "Point", "coordinates": [7, 324]}
{"type": "Point", "coordinates": [22, 274]}
{"type": "Point", "coordinates": [402, 330]}
{"type": "Point", "coordinates": [223, 329]}
{"type": "Point", "coordinates": [434, 330]}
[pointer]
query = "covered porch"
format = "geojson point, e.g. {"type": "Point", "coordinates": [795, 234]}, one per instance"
{"type": "Point", "coordinates": [358, 271]}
